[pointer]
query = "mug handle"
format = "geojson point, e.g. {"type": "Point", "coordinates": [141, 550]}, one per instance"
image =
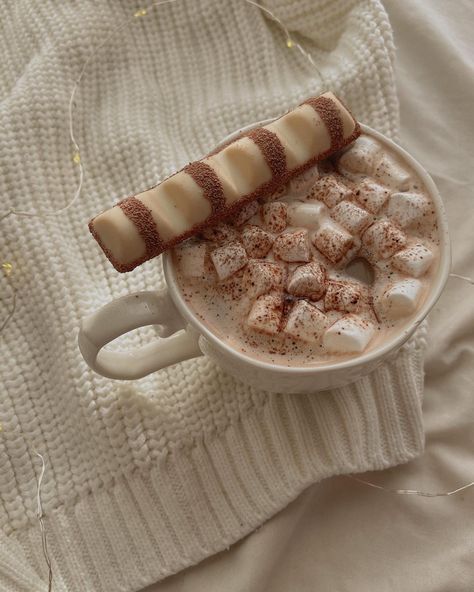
{"type": "Point", "coordinates": [125, 314]}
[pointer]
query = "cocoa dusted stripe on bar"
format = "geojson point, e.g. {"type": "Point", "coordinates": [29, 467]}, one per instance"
{"type": "Point", "coordinates": [272, 150]}
{"type": "Point", "coordinates": [329, 113]}
{"type": "Point", "coordinates": [209, 182]}
{"type": "Point", "coordinates": [141, 216]}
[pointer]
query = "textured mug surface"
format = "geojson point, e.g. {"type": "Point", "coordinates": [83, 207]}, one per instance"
{"type": "Point", "coordinates": [169, 309]}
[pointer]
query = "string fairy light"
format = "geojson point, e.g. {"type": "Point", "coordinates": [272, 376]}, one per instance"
{"type": "Point", "coordinates": [7, 267]}
{"type": "Point", "coordinates": [463, 278]}
{"type": "Point", "coordinates": [411, 491]}
{"type": "Point", "coordinates": [141, 12]}
{"type": "Point", "coordinates": [40, 516]}
{"type": "Point", "coordinates": [290, 42]}
{"type": "Point", "coordinates": [76, 155]}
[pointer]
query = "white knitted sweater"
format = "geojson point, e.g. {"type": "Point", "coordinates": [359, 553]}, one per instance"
{"type": "Point", "coordinates": [146, 478]}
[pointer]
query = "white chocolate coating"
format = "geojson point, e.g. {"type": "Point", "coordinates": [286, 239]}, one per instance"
{"type": "Point", "coordinates": [119, 235]}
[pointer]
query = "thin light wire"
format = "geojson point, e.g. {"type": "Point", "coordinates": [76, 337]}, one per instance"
{"type": "Point", "coordinates": [290, 42]}
{"type": "Point", "coordinates": [272, 16]}
{"type": "Point", "coordinates": [462, 277]}
{"type": "Point", "coordinates": [40, 516]}
{"type": "Point", "coordinates": [10, 314]}
{"type": "Point", "coordinates": [415, 491]}
{"type": "Point", "coordinates": [77, 153]}
{"type": "Point", "coordinates": [412, 491]}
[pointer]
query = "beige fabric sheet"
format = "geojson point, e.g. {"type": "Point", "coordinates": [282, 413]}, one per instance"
{"type": "Point", "coordinates": [340, 535]}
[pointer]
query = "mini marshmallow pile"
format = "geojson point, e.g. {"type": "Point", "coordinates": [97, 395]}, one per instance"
{"type": "Point", "coordinates": [288, 252]}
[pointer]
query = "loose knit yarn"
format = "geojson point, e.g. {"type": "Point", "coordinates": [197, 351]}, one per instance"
{"type": "Point", "coordinates": [146, 478]}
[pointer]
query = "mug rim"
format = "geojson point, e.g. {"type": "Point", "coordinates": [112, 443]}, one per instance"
{"type": "Point", "coordinates": [378, 352]}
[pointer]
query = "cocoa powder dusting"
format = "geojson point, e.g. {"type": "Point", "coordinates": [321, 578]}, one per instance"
{"type": "Point", "coordinates": [272, 150]}
{"type": "Point", "coordinates": [141, 216]}
{"type": "Point", "coordinates": [329, 114]}
{"type": "Point", "coordinates": [209, 182]}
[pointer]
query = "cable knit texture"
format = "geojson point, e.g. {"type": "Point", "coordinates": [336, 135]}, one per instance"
{"type": "Point", "coordinates": [146, 478]}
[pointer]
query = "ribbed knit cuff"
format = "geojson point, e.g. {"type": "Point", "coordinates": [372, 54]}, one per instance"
{"type": "Point", "coordinates": [198, 501]}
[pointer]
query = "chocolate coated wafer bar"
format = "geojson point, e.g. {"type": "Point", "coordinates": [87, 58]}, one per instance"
{"type": "Point", "coordinates": [208, 190]}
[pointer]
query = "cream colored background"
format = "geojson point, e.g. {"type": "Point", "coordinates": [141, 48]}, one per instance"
{"type": "Point", "coordinates": [146, 478]}
{"type": "Point", "coordinates": [340, 535]}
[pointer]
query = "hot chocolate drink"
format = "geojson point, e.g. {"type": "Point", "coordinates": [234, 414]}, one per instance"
{"type": "Point", "coordinates": [328, 266]}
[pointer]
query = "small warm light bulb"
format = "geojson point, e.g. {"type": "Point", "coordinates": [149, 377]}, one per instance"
{"type": "Point", "coordinates": [141, 12]}
{"type": "Point", "coordinates": [289, 43]}
{"type": "Point", "coordinates": [7, 268]}
{"type": "Point", "coordinates": [76, 158]}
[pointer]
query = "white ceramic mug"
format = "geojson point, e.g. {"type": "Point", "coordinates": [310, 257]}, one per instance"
{"type": "Point", "coordinates": [184, 336]}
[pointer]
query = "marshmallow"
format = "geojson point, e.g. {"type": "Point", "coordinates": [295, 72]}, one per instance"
{"type": "Point", "coordinates": [306, 215]}
{"type": "Point", "coordinates": [345, 296]}
{"type": "Point", "coordinates": [368, 314]}
{"type": "Point", "coordinates": [334, 242]}
{"type": "Point", "coordinates": [407, 209]}
{"type": "Point", "coordinates": [332, 315]}
{"type": "Point", "coordinates": [292, 246]}
{"type": "Point", "coordinates": [305, 322]}
{"type": "Point", "coordinates": [302, 183]}
{"type": "Point", "coordinates": [308, 280]}
{"type": "Point", "coordinates": [383, 239]}
{"type": "Point", "coordinates": [245, 213]}
{"type": "Point", "coordinates": [221, 234]}
{"type": "Point", "coordinates": [319, 304]}
{"type": "Point", "coordinates": [372, 196]}
{"type": "Point", "coordinates": [399, 300]}
{"type": "Point", "coordinates": [330, 190]}
{"type": "Point", "coordinates": [350, 334]}
{"type": "Point", "coordinates": [265, 314]}
{"type": "Point", "coordinates": [365, 157]}
{"type": "Point", "coordinates": [414, 260]}
{"type": "Point", "coordinates": [274, 216]}
{"type": "Point", "coordinates": [354, 219]}
{"type": "Point", "coordinates": [360, 158]}
{"type": "Point", "coordinates": [257, 242]}
{"type": "Point", "coordinates": [228, 259]}
{"type": "Point", "coordinates": [261, 277]}
{"type": "Point", "coordinates": [390, 173]}
{"type": "Point", "coordinates": [192, 259]}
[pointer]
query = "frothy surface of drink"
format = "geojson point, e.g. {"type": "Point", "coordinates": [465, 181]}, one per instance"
{"type": "Point", "coordinates": [328, 267]}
